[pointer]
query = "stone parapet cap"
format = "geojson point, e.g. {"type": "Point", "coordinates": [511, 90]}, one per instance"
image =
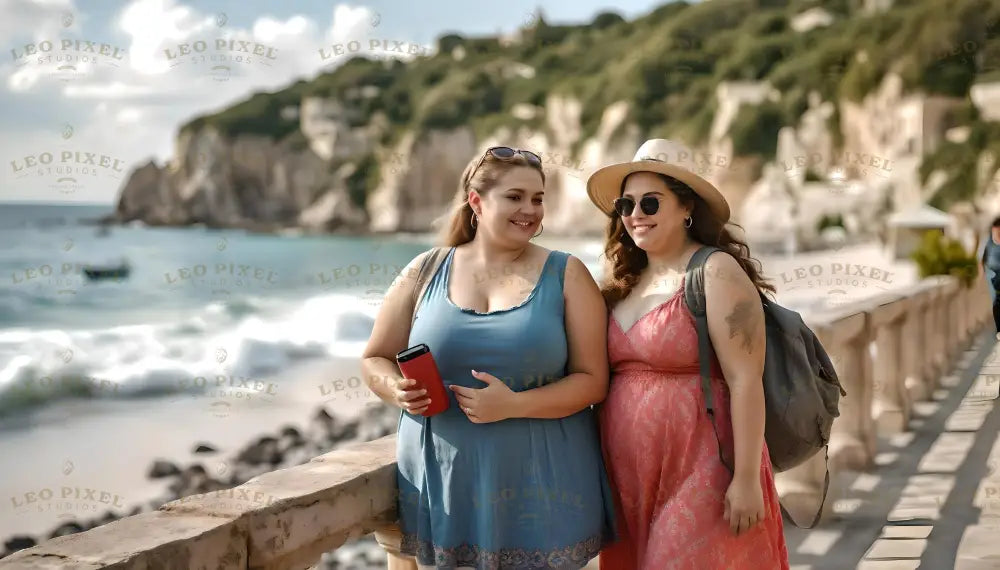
{"type": "Point", "coordinates": [843, 323]}
{"type": "Point", "coordinates": [889, 309]}
{"type": "Point", "coordinates": [147, 540]}
{"type": "Point", "coordinates": [281, 519]}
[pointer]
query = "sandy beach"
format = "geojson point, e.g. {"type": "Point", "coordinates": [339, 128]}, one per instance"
{"type": "Point", "coordinates": [96, 457]}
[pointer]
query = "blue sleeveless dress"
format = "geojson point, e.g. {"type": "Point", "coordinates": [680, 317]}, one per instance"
{"type": "Point", "coordinates": [989, 254]}
{"type": "Point", "coordinates": [518, 493]}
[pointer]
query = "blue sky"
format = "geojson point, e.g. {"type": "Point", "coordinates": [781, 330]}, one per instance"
{"type": "Point", "coordinates": [92, 89]}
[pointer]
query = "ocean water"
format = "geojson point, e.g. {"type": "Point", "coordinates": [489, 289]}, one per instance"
{"type": "Point", "coordinates": [198, 303]}
{"type": "Point", "coordinates": [205, 310]}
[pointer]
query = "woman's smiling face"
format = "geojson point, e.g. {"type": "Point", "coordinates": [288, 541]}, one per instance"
{"type": "Point", "coordinates": [653, 231]}
{"type": "Point", "coordinates": [513, 208]}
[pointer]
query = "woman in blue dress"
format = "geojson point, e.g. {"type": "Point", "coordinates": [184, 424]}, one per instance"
{"type": "Point", "coordinates": [511, 475]}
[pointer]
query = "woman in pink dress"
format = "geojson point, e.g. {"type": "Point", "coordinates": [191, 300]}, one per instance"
{"type": "Point", "coordinates": [678, 505]}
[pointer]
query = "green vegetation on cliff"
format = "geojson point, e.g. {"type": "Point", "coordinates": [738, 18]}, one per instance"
{"type": "Point", "coordinates": [667, 65]}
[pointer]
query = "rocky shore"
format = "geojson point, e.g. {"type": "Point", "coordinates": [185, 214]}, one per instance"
{"type": "Point", "coordinates": [249, 226]}
{"type": "Point", "coordinates": [289, 447]}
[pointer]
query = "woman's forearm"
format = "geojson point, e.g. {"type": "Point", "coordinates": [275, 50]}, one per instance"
{"type": "Point", "coordinates": [381, 374]}
{"type": "Point", "coordinates": [562, 398]}
{"type": "Point", "coordinates": [747, 411]}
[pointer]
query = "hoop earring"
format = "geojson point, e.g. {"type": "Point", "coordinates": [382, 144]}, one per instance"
{"type": "Point", "coordinates": [474, 221]}
{"type": "Point", "coordinates": [540, 230]}
{"type": "Point", "coordinates": [688, 221]}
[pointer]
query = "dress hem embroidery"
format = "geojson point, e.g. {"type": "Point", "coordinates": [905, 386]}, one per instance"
{"type": "Point", "coordinates": [570, 557]}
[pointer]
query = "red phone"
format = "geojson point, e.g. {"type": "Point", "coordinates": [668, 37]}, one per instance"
{"type": "Point", "coordinates": [417, 363]}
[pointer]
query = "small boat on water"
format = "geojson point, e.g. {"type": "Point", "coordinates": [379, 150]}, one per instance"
{"type": "Point", "coordinates": [98, 273]}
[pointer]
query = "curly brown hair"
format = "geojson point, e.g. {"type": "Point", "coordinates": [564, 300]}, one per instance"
{"type": "Point", "coordinates": [627, 260]}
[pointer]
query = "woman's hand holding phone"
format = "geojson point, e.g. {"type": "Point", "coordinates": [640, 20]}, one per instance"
{"type": "Point", "coordinates": [422, 390]}
{"type": "Point", "coordinates": [408, 397]}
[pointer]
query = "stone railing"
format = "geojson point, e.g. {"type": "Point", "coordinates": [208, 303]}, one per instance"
{"type": "Point", "coordinates": [286, 519]}
{"type": "Point", "coordinates": [283, 519]}
{"type": "Point", "coordinates": [884, 370]}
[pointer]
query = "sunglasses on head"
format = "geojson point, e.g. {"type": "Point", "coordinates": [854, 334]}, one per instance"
{"type": "Point", "coordinates": [625, 205]}
{"type": "Point", "coordinates": [506, 153]}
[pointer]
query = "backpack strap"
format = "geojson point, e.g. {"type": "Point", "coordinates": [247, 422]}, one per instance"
{"type": "Point", "coordinates": [694, 296]}
{"type": "Point", "coordinates": [428, 267]}
{"type": "Point", "coordinates": [822, 501]}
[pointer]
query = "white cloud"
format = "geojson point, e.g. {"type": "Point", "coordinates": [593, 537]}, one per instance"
{"type": "Point", "coordinates": [113, 90]}
{"type": "Point", "coordinates": [154, 23]}
{"type": "Point", "coordinates": [36, 31]}
{"type": "Point", "coordinates": [35, 19]}
{"type": "Point", "coordinates": [129, 115]}
{"type": "Point", "coordinates": [132, 110]}
{"type": "Point", "coordinates": [346, 21]}
{"type": "Point", "coordinates": [274, 31]}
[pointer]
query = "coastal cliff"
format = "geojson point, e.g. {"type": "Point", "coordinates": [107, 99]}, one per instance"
{"type": "Point", "coordinates": [769, 101]}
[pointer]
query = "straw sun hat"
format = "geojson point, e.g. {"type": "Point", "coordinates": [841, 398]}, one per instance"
{"type": "Point", "coordinates": [655, 155]}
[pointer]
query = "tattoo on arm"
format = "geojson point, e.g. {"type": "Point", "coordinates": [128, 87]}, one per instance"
{"type": "Point", "coordinates": [743, 321]}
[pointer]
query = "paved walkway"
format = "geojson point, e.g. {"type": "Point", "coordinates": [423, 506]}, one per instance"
{"type": "Point", "coordinates": [936, 487]}
{"type": "Point", "coordinates": [933, 503]}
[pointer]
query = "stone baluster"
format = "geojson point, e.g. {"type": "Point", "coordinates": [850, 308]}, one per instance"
{"type": "Point", "coordinates": [933, 358]}
{"type": "Point", "coordinates": [925, 314]}
{"type": "Point", "coordinates": [914, 359]}
{"type": "Point", "coordinates": [944, 300]}
{"type": "Point", "coordinates": [891, 401]}
{"type": "Point", "coordinates": [957, 322]}
{"type": "Point", "coordinates": [852, 444]}
{"type": "Point", "coordinates": [981, 311]}
{"type": "Point", "coordinates": [962, 296]}
{"type": "Point", "coordinates": [987, 305]}
{"type": "Point", "coordinates": [948, 322]}
{"type": "Point", "coordinates": [800, 489]}
{"type": "Point", "coordinates": [961, 313]}
{"type": "Point", "coordinates": [973, 316]}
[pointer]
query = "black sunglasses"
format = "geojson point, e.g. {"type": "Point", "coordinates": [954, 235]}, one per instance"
{"type": "Point", "coordinates": [625, 205]}
{"type": "Point", "coordinates": [505, 153]}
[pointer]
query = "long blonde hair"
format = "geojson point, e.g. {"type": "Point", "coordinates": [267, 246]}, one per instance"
{"type": "Point", "coordinates": [459, 229]}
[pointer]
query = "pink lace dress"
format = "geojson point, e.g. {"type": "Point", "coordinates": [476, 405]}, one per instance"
{"type": "Point", "coordinates": [662, 457]}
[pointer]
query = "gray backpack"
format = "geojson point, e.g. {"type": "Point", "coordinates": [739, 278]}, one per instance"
{"type": "Point", "coordinates": [801, 389]}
